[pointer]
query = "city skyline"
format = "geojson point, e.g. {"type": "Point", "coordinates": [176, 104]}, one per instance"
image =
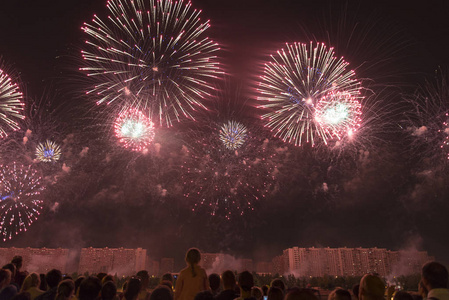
{"type": "Point", "coordinates": [301, 262]}
{"type": "Point", "coordinates": [385, 186]}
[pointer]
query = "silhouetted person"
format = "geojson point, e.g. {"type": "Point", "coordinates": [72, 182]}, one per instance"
{"type": "Point", "coordinates": [77, 285]}
{"type": "Point", "coordinates": [257, 293]}
{"type": "Point", "coordinates": [89, 288]}
{"type": "Point", "coordinates": [300, 294]}
{"type": "Point", "coordinates": [339, 294]}
{"type": "Point", "coordinates": [52, 278]}
{"type": "Point", "coordinates": [402, 295]}
{"type": "Point", "coordinates": [66, 290]}
{"type": "Point", "coordinates": [20, 275]}
{"type": "Point", "coordinates": [162, 292]}
{"type": "Point", "coordinates": [168, 284]}
{"type": "Point", "coordinates": [132, 289]}
{"type": "Point", "coordinates": [228, 293]}
{"type": "Point", "coordinates": [167, 277]}
{"type": "Point", "coordinates": [434, 277]}
{"type": "Point", "coordinates": [275, 293]}
{"type": "Point", "coordinates": [31, 285]}
{"type": "Point", "coordinates": [355, 291]}
{"type": "Point", "coordinates": [204, 295]}
{"type": "Point", "coordinates": [101, 275]}
{"type": "Point", "coordinates": [22, 296]}
{"type": "Point", "coordinates": [12, 268]}
{"type": "Point", "coordinates": [109, 291]}
{"type": "Point", "coordinates": [7, 290]}
{"type": "Point", "coordinates": [43, 286]}
{"type": "Point", "coordinates": [422, 291]}
{"type": "Point", "coordinates": [371, 288]}
{"type": "Point", "coordinates": [245, 283]}
{"type": "Point", "coordinates": [106, 279]}
{"type": "Point", "coordinates": [265, 290]}
{"type": "Point", "coordinates": [279, 283]}
{"type": "Point", "coordinates": [192, 279]}
{"type": "Point", "coordinates": [144, 293]}
{"type": "Point", "coordinates": [214, 283]}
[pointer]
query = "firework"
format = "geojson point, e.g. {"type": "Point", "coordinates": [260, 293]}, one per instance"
{"type": "Point", "coordinates": [436, 132]}
{"type": "Point", "coordinates": [445, 131]}
{"type": "Point", "coordinates": [225, 182]}
{"type": "Point", "coordinates": [48, 151]}
{"type": "Point", "coordinates": [338, 115]}
{"type": "Point", "coordinates": [296, 79]}
{"type": "Point", "coordinates": [20, 203]}
{"type": "Point", "coordinates": [428, 124]}
{"type": "Point", "coordinates": [233, 135]}
{"type": "Point", "coordinates": [153, 55]}
{"type": "Point", "coordinates": [39, 129]}
{"type": "Point", "coordinates": [134, 130]}
{"type": "Point", "coordinates": [11, 105]}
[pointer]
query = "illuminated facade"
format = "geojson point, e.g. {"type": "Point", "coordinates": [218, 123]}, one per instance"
{"type": "Point", "coordinates": [39, 260]}
{"type": "Point", "coordinates": [301, 262]}
{"type": "Point", "coordinates": [263, 267]}
{"type": "Point", "coordinates": [318, 262]}
{"type": "Point", "coordinates": [118, 261]}
{"type": "Point", "coordinates": [279, 264]}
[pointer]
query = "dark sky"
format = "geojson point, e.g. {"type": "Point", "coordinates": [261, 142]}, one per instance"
{"type": "Point", "coordinates": [35, 33]}
{"type": "Point", "coordinates": [376, 203]}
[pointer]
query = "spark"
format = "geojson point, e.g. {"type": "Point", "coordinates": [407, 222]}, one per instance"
{"type": "Point", "coordinates": [153, 55]}
{"type": "Point", "coordinates": [338, 115]}
{"type": "Point", "coordinates": [11, 105]}
{"type": "Point", "coordinates": [48, 151]}
{"type": "Point", "coordinates": [134, 130]}
{"type": "Point", "coordinates": [233, 135]}
{"type": "Point", "coordinates": [20, 203]}
{"type": "Point", "coordinates": [294, 81]}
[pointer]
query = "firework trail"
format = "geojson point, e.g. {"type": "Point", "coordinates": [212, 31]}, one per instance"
{"type": "Point", "coordinates": [41, 134]}
{"type": "Point", "coordinates": [20, 203]}
{"type": "Point", "coordinates": [428, 124]}
{"type": "Point", "coordinates": [294, 82]}
{"type": "Point", "coordinates": [377, 48]}
{"type": "Point", "coordinates": [134, 130]}
{"type": "Point", "coordinates": [380, 118]}
{"type": "Point", "coordinates": [152, 55]}
{"type": "Point", "coordinates": [228, 182]}
{"type": "Point", "coordinates": [376, 45]}
{"type": "Point", "coordinates": [445, 131]}
{"type": "Point", "coordinates": [11, 105]}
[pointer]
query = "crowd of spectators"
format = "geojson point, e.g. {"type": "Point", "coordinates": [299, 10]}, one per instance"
{"type": "Point", "coordinates": [193, 284]}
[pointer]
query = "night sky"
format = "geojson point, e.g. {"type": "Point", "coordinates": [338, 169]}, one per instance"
{"type": "Point", "coordinates": [372, 195]}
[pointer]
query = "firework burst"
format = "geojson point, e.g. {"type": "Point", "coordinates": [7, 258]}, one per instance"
{"type": "Point", "coordinates": [338, 114]}
{"type": "Point", "coordinates": [428, 125]}
{"type": "Point", "coordinates": [227, 182]}
{"type": "Point", "coordinates": [11, 105]}
{"type": "Point", "coordinates": [295, 80]}
{"type": "Point", "coordinates": [445, 131]}
{"type": "Point", "coordinates": [41, 127]}
{"type": "Point", "coordinates": [48, 151]}
{"type": "Point", "coordinates": [134, 130]}
{"type": "Point", "coordinates": [233, 135]}
{"type": "Point", "coordinates": [20, 203]}
{"type": "Point", "coordinates": [151, 54]}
